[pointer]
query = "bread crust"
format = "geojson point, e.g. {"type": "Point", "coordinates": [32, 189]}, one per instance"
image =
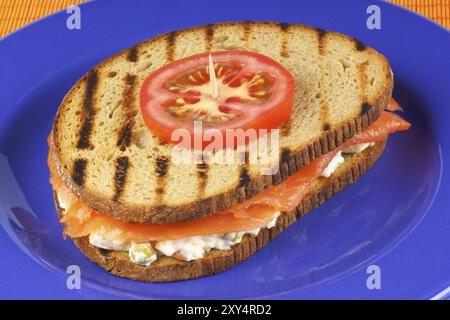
{"type": "Point", "coordinates": [167, 269]}
{"type": "Point", "coordinates": [289, 164]}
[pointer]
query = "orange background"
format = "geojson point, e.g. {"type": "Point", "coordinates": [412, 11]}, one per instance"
{"type": "Point", "coordinates": [16, 13]}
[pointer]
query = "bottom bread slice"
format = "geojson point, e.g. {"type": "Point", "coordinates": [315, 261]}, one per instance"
{"type": "Point", "coordinates": [167, 269]}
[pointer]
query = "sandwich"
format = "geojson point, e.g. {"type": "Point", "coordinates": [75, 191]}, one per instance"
{"type": "Point", "coordinates": [321, 100]}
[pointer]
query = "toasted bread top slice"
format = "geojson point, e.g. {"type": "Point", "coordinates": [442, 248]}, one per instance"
{"type": "Point", "coordinates": [108, 157]}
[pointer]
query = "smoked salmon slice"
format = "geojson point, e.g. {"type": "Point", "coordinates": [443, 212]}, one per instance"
{"type": "Point", "coordinates": [393, 105]}
{"type": "Point", "coordinates": [288, 194]}
{"type": "Point", "coordinates": [79, 220]}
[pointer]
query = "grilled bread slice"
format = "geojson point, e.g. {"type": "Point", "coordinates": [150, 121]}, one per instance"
{"type": "Point", "coordinates": [167, 269]}
{"type": "Point", "coordinates": [109, 159]}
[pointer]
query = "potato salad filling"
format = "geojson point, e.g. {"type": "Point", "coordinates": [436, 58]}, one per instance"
{"type": "Point", "coordinates": [187, 248]}
{"type": "Point", "coordinates": [339, 159]}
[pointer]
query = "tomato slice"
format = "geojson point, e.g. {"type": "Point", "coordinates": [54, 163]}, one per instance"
{"type": "Point", "coordinates": [253, 92]}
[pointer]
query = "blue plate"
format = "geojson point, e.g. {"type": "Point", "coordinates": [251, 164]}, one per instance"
{"type": "Point", "coordinates": [395, 220]}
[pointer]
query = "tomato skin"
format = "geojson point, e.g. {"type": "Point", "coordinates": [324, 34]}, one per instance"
{"type": "Point", "coordinates": [268, 113]}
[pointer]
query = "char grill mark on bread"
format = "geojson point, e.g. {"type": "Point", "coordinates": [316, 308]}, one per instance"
{"type": "Point", "coordinates": [202, 176]}
{"type": "Point", "coordinates": [325, 113]}
{"type": "Point", "coordinates": [161, 168]}
{"type": "Point", "coordinates": [361, 123]}
{"type": "Point", "coordinates": [284, 52]}
{"type": "Point", "coordinates": [359, 45]}
{"type": "Point", "coordinates": [277, 177]}
{"type": "Point", "coordinates": [285, 155]}
{"type": "Point", "coordinates": [130, 111]}
{"type": "Point", "coordinates": [363, 98]}
{"type": "Point", "coordinates": [247, 187]}
{"type": "Point", "coordinates": [120, 177]}
{"type": "Point", "coordinates": [321, 40]}
{"type": "Point", "coordinates": [321, 95]}
{"type": "Point", "coordinates": [247, 29]}
{"type": "Point", "coordinates": [284, 171]}
{"type": "Point", "coordinates": [306, 138]}
{"type": "Point", "coordinates": [244, 179]}
{"type": "Point", "coordinates": [286, 129]}
{"type": "Point", "coordinates": [170, 47]}
{"type": "Point", "coordinates": [79, 171]}
{"type": "Point", "coordinates": [363, 79]}
{"type": "Point", "coordinates": [209, 36]}
{"type": "Point", "coordinates": [365, 108]}
{"type": "Point", "coordinates": [133, 54]}
{"type": "Point", "coordinates": [88, 111]}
